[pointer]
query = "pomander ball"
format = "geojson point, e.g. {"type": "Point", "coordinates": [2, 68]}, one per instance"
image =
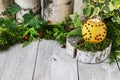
{"type": "Point", "coordinates": [94, 30]}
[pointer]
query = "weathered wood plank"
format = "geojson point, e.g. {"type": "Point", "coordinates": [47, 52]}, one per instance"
{"type": "Point", "coordinates": [17, 63]}
{"type": "Point", "coordinates": [102, 71]}
{"type": "Point", "coordinates": [53, 63]}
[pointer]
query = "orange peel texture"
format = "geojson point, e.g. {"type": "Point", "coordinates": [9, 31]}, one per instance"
{"type": "Point", "coordinates": [94, 30]}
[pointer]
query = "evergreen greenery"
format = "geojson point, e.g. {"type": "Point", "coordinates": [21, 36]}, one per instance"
{"type": "Point", "coordinates": [33, 28]}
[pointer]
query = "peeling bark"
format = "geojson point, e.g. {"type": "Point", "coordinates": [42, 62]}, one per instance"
{"type": "Point", "coordinates": [70, 43]}
{"type": "Point", "coordinates": [57, 10]}
{"type": "Point", "coordinates": [86, 56]}
{"type": "Point", "coordinates": [3, 6]}
{"type": "Point", "coordinates": [93, 57]}
{"type": "Point", "coordinates": [25, 6]}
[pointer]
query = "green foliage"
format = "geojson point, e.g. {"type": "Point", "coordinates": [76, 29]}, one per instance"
{"type": "Point", "coordinates": [60, 33]}
{"type": "Point", "coordinates": [115, 56]}
{"type": "Point", "coordinates": [1, 21]}
{"type": "Point", "coordinates": [103, 8]}
{"type": "Point", "coordinates": [34, 27]}
{"type": "Point", "coordinates": [114, 34]}
{"type": "Point", "coordinates": [75, 32]}
{"type": "Point", "coordinates": [75, 20]}
{"type": "Point", "coordinates": [13, 9]}
{"type": "Point", "coordinates": [32, 21]}
{"type": "Point", "coordinates": [9, 38]}
{"type": "Point", "coordinates": [32, 35]}
{"type": "Point", "coordinates": [87, 11]}
{"type": "Point", "coordinates": [10, 23]}
{"type": "Point", "coordinates": [88, 46]}
{"type": "Point", "coordinates": [116, 3]}
{"type": "Point", "coordinates": [116, 18]}
{"type": "Point", "coordinates": [3, 44]}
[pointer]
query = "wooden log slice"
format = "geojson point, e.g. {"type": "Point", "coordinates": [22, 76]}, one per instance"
{"type": "Point", "coordinates": [3, 6]}
{"type": "Point", "coordinates": [78, 8]}
{"type": "Point", "coordinates": [93, 57]}
{"type": "Point", "coordinates": [86, 56]}
{"type": "Point", "coordinates": [25, 6]}
{"type": "Point", "coordinates": [70, 43]}
{"type": "Point", "coordinates": [57, 10]}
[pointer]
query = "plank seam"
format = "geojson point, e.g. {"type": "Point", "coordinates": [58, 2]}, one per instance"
{"type": "Point", "coordinates": [78, 69]}
{"type": "Point", "coordinates": [117, 64]}
{"type": "Point", "coordinates": [35, 60]}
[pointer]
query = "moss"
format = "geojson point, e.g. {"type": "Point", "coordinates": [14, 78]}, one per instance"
{"type": "Point", "coordinates": [88, 46]}
{"type": "Point", "coordinates": [3, 44]}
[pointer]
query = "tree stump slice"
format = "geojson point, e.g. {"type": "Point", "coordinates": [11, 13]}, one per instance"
{"type": "Point", "coordinates": [70, 43]}
{"type": "Point", "coordinates": [57, 10]}
{"type": "Point", "coordinates": [86, 56]}
{"type": "Point", "coordinates": [93, 57]}
{"type": "Point", "coordinates": [3, 6]}
{"type": "Point", "coordinates": [25, 6]}
{"type": "Point", "coordinates": [78, 7]}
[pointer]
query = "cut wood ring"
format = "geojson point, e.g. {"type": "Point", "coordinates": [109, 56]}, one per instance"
{"type": "Point", "coordinates": [86, 56]}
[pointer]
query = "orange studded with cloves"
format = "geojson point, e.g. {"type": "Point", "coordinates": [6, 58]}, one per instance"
{"type": "Point", "coordinates": [94, 30]}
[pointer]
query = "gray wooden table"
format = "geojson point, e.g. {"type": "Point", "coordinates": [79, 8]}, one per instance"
{"type": "Point", "coordinates": [46, 60]}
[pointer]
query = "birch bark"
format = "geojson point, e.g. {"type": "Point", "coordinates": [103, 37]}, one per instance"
{"type": "Point", "coordinates": [57, 10]}
{"type": "Point", "coordinates": [78, 7]}
{"type": "Point", "coordinates": [26, 5]}
{"type": "Point", "coordinates": [3, 6]}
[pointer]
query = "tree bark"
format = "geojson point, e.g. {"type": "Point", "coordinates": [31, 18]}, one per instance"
{"type": "Point", "coordinates": [3, 6]}
{"type": "Point", "coordinates": [57, 10]}
{"type": "Point", "coordinates": [93, 57]}
{"type": "Point", "coordinates": [25, 6]}
{"type": "Point", "coordinates": [86, 56]}
{"type": "Point", "coordinates": [70, 43]}
{"type": "Point", "coordinates": [78, 7]}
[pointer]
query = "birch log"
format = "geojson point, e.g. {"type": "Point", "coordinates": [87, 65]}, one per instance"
{"type": "Point", "coordinates": [26, 5]}
{"type": "Point", "coordinates": [93, 57]}
{"type": "Point", "coordinates": [57, 10]}
{"type": "Point", "coordinates": [86, 56]}
{"type": "Point", "coordinates": [3, 6]}
{"type": "Point", "coordinates": [78, 7]}
{"type": "Point", "coordinates": [70, 43]}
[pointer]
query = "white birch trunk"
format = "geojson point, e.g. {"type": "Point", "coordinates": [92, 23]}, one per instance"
{"type": "Point", "coordinates": [26, 5]}
{"type": "Point", "coordinates": [86, 56]}
{"type": "Point", "coordinates": [3, 6]}
{"type": "Point", "coordinates": [57, 10]}
{"type": "Point", "coordinates": [78, 7]}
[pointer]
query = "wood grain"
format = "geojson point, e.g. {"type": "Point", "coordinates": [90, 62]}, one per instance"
{"type": "Point", "coordinates": [102, 71]}
{"type": "Point", "coordinates": [18, 63]}
{"type": "Point", "coordinates": [53, 63]}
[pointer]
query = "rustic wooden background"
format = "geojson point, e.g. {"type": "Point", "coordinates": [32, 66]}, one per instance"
{"type": "Point", "coordinates": [45, 59]}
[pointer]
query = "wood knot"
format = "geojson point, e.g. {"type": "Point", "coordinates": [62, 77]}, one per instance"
{"type": "Point", "coordinates": [53, 59]}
